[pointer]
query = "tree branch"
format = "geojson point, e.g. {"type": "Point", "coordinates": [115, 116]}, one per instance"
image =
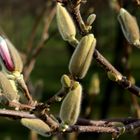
{"type": "Point", "coordinates": [16, 114]}
{"type": "Point", "coordinates": [126, 84]}
{"type": "Point", "coordinates": [106, 122]}
{"type": "Point", "coordinates": [103, 62]}
{"type": "Point", "coordinates": [83, 125]}
{"type": "Point", "coordinates": [97, 129]}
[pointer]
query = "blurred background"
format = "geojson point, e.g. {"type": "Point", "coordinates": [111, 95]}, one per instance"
{"type": "Point", "coordinates": [20, 18]}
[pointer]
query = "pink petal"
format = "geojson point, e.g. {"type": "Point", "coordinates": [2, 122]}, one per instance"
{"type": "Point", "coordinates": [5, 55]}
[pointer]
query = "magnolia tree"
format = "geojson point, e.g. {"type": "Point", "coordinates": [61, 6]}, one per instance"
{"type": "Point", "coordinates": [37, 116]}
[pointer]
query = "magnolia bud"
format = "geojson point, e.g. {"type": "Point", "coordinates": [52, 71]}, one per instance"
{"type": "Point", "coordinates": [10, 58]}
{"type": "Point", "coordinates": [82, 56]}
{"type": "Point", "coordinates": [6, 59]}
{"type": "Point", "coordinates": [70, 108]}
{"type": "Point", "coordinates": [65, 81]}
{"type": "Point", "coordinates": [37, 125]}
{"type": "Point", "coordinates": [65, 24]}
{"type": "Point", "coordinates": [129, 27]}
{"type": "Point", "coordinates": [18, 64]}
{"type": "Point", "coordinates": [7, 89]}
{"type": "Point", "coordinates": [91, 19]}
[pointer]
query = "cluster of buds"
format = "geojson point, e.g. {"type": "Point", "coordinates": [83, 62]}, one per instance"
{"type": "Point", "coordinates": [129, 27]}
{"type": "Point", "coordinates": [78, 65]}
{"type": "Point", "coordinates": [82, 56]}
{"type": "Point", "coordinates": [11, 77]}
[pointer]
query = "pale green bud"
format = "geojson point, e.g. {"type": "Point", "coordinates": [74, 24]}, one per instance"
{"type": "Point", "coordinates": [91, 19]}
{"type": "Point", "coordinates": [82, 56]}
{"type": "Point", "coordinates": [7, 89]}
{"type": "Point", "coordinates": [65, 81]}
{"type": "Point", "coordinates": [70, 108]}
{"type": "Point", "coordinates": [37, 125]}
{"type": "Point", "coordinates": [65, 24]}
{"type": "Point", "coordinates": [129, 27]}
{"type": "Point", "coordinates": [114, 76]}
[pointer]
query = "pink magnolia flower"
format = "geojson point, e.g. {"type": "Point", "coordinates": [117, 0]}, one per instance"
{"type": "Point", "coordinates": [5, 55]}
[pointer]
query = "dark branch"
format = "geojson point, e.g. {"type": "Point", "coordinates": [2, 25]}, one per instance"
{"type": "Point", "coordinates": [83, 125]}
{"type": "Point", "coordinates": [16, 114]}
{"type": "Point", "coordinates": [97, 129]}
{"type": "Point", "coordinates": [106, 122]}
{"type": "Point", "coordinates": [108, 67]}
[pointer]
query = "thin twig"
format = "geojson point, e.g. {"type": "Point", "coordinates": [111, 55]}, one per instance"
{"type": "Point", "coordinates": [24, 88]}
{"type": "Point", "coordinates": [74, 8]}
{"type": "Point", "coordinates": [35, 26]}
{"type": "Point", "coordinates": [106, 122]}
{"type": "Point", "coordinates": [20, 106]}
{"type": "Point", "coordinates": [97, 129]}
{"type": "Point", "coordinates": [57, 97]}
{"type": "Point", "coordinates": [33, 55]}
{"type": "Point", "coordinates": [16, 114]}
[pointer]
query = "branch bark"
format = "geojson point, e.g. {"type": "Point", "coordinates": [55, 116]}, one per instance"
{"type": "Point", "coordinates": [83, 125]}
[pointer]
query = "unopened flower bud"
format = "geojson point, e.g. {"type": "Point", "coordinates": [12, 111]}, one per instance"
{"type": "Point", "coordinates": [5, 55]}
{"type": "Point", "coordinates": [70, 108]}
{"type": "Point", "coordinates": [65, 24]}
{"type": "Point", "coordinates": [65, 81]}
{"type": "Point", "coordinates": [90, 19]}
{"type": "Point", "coordinates": [82, 56]}
{"type": "Point", "coordinates": [129, 27]}
{"type": "Point", "coordinates": [18, 64]}
{"type": "Point", "coordinates": [7, 89]}
{"type": "Point", "coordinates": [37, 125]}
{"type": "Point", "coordinates": [10, 58]}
